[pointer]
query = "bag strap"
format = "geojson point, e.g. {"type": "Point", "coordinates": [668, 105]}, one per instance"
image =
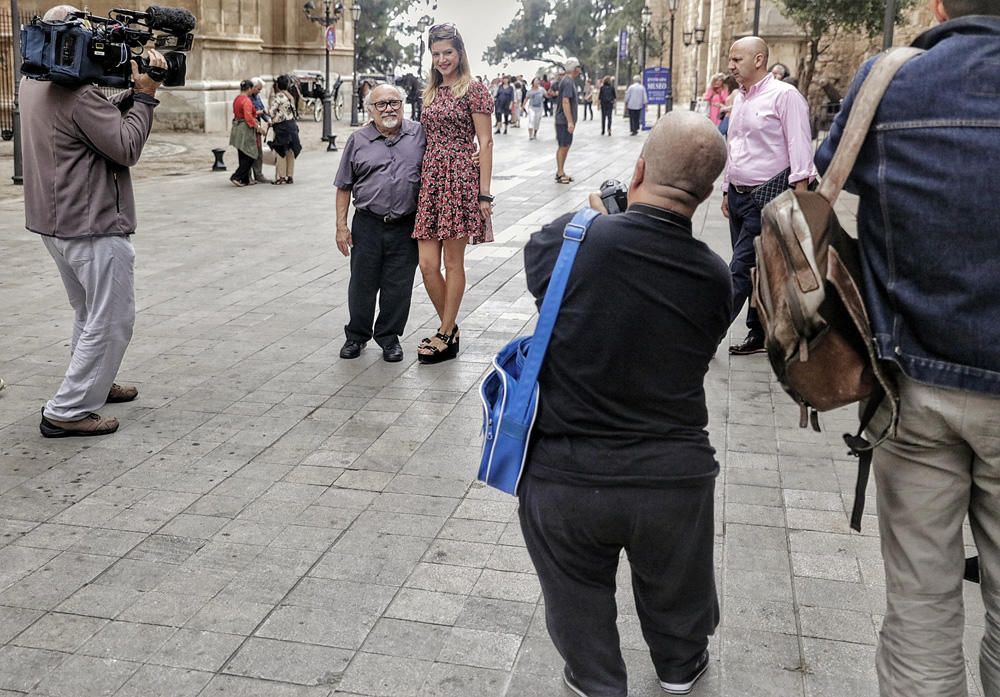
{"type": "Point", "coordinates": [860, 119]}
{"type": "Point", "coordinates": [573, 236]}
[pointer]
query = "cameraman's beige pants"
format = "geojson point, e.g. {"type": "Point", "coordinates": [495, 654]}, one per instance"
{"type": "Point", "coordinates": [943, 463]}
{"type": "Point", "coordinates": [98, 275]}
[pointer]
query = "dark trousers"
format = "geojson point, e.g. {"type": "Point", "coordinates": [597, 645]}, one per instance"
{"type": "Point", "coordinates": [547, 106]}
{"type": "Point", "coordinates": [607, 112]}
{"type": "Point", "coordinates": [633, 119]}
{"type": "Point", "coordinates": [744, 227]}
{"type": "Point", "coordinates": [242, 173]}
{"type": "Point", "coordinates": [588, 108]}
{"type": "Point", "coordinates": [575, 535]}
{"type": "Point", "coordinates": [383, 263]}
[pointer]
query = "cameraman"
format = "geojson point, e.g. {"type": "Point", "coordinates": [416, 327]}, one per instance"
{"type": "Point", "coordinates": [619, 456]}
{"type": "Point", "coordinates": [78, 147]}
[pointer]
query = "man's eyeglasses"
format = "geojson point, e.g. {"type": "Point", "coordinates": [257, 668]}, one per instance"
{"type": "Point", "coordinates": [388, 104]}
{"type": "Point", "coordinates": [443, 31]}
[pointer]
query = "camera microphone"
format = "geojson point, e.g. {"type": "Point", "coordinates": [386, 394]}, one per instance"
{"type": "Point", "coordinates": [171, 19]}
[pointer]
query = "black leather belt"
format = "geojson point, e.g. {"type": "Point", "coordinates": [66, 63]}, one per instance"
{"type": "Point", "coordinates": [743, 189]}
{"type": "Point", "coordinates": [387, 218]}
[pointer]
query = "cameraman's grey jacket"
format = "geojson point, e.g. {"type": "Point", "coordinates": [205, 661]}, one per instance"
{"type": "Point", "coordinates": [77, 147]}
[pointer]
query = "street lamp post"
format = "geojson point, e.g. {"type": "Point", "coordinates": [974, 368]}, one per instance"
{"type": "Point", "coordinates": [697, 37]}
{"type": "Point", "coordinates": [890, 21]}
{"type": "Point", "coordinates": [331, 15]}
{"type": "Point", "coordinates": [15, 34]}
{"type": "Point", "coordinates": [672, 6]}
{"type": "Point", "coordinates": [422, 24]}
{"type": "Point", "coordinates": [647, 17]}
{"type": "Point", "coordinates": [355, 15]}
{"type": "Point", "coordinates": [756, 18]}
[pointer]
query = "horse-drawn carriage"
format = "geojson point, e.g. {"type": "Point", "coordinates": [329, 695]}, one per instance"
{"type": "Point", "coordinates": [312, 87]}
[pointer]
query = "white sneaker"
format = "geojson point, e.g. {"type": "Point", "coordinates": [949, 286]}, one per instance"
{"type": "Point", "coordinates": [687, 684]}
{"type": "Point", "coordinates": [2, 384]}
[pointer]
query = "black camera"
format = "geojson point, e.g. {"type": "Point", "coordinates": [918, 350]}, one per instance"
{"type": "Point", "coordinates": [614, 195]}
{"type": "Point", "coordinates": [86, 48]}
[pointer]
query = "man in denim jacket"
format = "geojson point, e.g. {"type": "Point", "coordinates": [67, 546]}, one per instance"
{"type": "Point", "coordinates": [928, 226]}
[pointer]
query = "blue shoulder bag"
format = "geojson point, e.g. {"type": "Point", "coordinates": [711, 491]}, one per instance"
{"type": "Point", "coordinates": [510, 390]}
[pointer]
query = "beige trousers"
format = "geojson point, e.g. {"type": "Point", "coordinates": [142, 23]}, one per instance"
{"type": "Point", "coordinates": [285, 166]}
{"type": "Point", "coordinates": [943, 463]}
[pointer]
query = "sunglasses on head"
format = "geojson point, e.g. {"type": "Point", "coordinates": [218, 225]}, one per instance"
{"type": "Point", "coordinates": [443, 31]}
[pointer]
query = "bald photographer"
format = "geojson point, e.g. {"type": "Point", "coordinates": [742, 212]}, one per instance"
{"type": "Point", "coordinates": [78, 146]}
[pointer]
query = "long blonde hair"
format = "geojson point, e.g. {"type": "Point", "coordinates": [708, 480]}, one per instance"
{"type": "Point", "coordinates": [449, 33]}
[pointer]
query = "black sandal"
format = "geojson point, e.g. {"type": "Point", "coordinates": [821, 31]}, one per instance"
{"type": "Point", "coordinates": [437, 355]}
{"type": "Point", "coordinates": [426, 340]}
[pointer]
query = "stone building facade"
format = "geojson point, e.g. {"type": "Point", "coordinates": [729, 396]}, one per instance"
{"type": "Point", "coordinates": [724, 21]}
{"type": "Point", "coordinates": [235, 40]}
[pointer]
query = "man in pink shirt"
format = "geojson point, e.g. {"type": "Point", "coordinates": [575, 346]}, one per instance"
{"type": "Point", "coordinates": [770, 150]}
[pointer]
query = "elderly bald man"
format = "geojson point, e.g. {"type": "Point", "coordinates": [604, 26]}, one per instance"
{"type": "Point", "coordinates": [620, 457]}
{"type": "Point", "coordinates": [770, 149]}
{"type": "Point", "coordinates": [78, 146]}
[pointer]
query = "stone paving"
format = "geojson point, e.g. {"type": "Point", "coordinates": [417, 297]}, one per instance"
{"type": "Point", "coordinates": [273, 521]}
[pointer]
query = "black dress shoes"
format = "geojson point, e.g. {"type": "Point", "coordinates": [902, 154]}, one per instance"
{"type": "Point", "coordinates": [392, 354]}
{"type": "Point", "coordinates": [351, 349]}
{"type": "Point", "coordinates": [754, 343]}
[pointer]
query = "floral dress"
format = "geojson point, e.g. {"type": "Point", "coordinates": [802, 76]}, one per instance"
{"type": "Point", "coordinates": [448, 207]}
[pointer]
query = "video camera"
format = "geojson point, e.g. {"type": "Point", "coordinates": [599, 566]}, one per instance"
{"type": "Point", "coordinates": [614, 194]}
{"type": "Point", "coordinates": [86, 48]}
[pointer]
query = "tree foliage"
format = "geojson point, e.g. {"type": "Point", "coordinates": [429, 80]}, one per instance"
{"type": "Point", "coordinates": [377, 34]}
{"type": "Point", "coordinates": [550, 30]}
{"type": "Point", "coordinates": [822, 20]}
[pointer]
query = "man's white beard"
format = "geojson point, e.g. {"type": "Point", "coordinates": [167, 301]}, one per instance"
{"type": "Point", "coordinates": [390, 121]}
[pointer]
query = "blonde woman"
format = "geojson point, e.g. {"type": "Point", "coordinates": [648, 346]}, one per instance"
{"type": "Point", "coordinates": [455, 206]}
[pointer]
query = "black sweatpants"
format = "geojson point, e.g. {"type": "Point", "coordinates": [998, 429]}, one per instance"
{"type": "Point", "coordinates": [383, 264]}
{"type": "Point", "coordinates": [575, 535]}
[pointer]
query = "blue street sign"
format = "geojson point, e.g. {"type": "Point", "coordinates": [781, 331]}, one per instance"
{"type": "Point", "coordinates": [657, 84]}
{"type": "Point", "coordinates": [623, 44]}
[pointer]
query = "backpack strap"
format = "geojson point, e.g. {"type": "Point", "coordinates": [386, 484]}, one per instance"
{"type": "Point", "coordinates": [860, 119]}
{"type": "Point", "coordinates": [573, 236]}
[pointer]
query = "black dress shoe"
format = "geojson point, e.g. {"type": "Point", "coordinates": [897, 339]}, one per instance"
{"type": "Point", "coordinates": [392, 354]}
{"type": "Point", "coordinates": [351, 349]}
{"type": "Point", "coordinates": [754, 343]}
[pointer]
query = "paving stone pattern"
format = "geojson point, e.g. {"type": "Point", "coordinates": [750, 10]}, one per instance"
{"type": "Point", "coordinates": [273, 521]}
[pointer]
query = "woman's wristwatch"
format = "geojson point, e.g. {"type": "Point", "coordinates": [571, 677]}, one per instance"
{"type": "Point", "coordinates": [486, 198]}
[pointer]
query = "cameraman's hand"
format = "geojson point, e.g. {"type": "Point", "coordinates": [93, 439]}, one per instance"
{"type": "Point", "coordinates": [725, 205]}
{"type": "Point", "coordinates": [595, 202]}
{"type": "Point", "coordinates": [142, 82]}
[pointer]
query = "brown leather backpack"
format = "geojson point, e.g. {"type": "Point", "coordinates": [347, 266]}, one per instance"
{"type": "Point", "coordinates": [807, 289]}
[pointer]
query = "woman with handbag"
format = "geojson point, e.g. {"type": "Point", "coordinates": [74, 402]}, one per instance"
{"type": "Point", "coordinates": [455, 206]}
{"type": "Point", "coordinates": [244, 135]}
{"type": "Point", "coordinates": [286, 144]}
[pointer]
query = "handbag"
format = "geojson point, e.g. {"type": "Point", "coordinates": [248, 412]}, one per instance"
{"type": "Point", "coordinates": [510, 389]}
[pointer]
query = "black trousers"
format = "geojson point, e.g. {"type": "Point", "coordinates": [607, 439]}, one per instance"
{"type": "Point", "coordinates": [744, 227]}
{"type": "Point", "coordinates": [243, 171]}
{"type": "Point", "coordinates": [633, 119]}
{"type": "Point", "coordinates": [575, 535]}
{"type": "Point", "coordinates": [383, 264]}
{"type": "Point", "coordinates": [588, 108]}
{"type": "Point", "coordinates": [607, 112]}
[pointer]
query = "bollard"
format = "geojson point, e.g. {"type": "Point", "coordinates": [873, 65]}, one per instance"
{"type": "Point", "coordinates": [331, 142]}
{"type": "Point", "coordinates": [218, 165]}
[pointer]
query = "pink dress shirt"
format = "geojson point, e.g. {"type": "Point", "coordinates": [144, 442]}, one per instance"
{"type": "Point", "coordinates": [768, 132]}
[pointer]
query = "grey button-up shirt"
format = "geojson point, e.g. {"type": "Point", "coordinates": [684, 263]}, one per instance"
{"type": "Point", "coordinates": [383, 173]}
